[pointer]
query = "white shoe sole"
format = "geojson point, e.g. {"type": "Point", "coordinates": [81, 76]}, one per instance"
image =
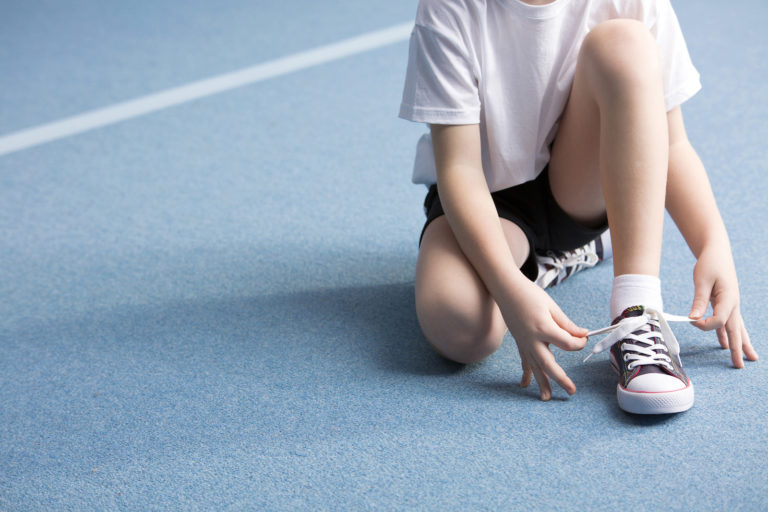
{"type": "Point", "coordinates": [660, 402]}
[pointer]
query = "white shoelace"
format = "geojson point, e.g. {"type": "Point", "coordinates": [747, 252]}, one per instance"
{"type": "Point", "coordinates": [638, 329]}
{"type": "Point", "coordinates": [565, 263]}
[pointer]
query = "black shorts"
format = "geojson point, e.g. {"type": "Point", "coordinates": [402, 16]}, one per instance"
{"type": "Point", "coordinates": [533, 208]}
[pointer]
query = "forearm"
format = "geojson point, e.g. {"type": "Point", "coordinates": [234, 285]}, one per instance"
{"type": "Point", "coordinates": [691, 204]}
{"type": "Point", "coordinates": [690, 201]}
{"type": "Point", "coordinates": [470, 210]}
{"type": "Point", "coordinates": [475, 224]}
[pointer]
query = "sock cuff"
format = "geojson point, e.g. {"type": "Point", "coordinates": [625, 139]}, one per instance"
{"type": "Point", "coordinates": [635, 290]}
{"type": "Point", "coordinates": [638, 280]}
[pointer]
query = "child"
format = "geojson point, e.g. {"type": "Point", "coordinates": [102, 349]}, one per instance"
{"type": "Point", "coordinates": [549, 121]}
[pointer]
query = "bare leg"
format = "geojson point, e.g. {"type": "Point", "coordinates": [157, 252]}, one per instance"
{"type": "Point", "coordinates": [611, 151]}
{"type": "Point", "coordinates": [458, 316]}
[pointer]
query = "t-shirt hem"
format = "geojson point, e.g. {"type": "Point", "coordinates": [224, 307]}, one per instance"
{"type": "Point", "coordinates": [438, 116]}
{"type": "Point", "coordinates": [682, 94]}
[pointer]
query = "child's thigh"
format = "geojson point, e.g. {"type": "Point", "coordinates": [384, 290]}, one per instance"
{"type": "Point", "coordinates": [446, 283]}
{"type": "Point", "coordinates": [458, 316]}
{"type": "Point", "coordinates": [617, 75]}
{"type": "Point", "coordinates": [574, 167]}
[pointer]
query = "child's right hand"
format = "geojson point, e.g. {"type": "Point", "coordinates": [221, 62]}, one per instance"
{"type": "Point", "coordinates": [536, 321]}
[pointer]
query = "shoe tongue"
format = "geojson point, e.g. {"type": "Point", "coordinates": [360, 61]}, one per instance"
{"type": "Point", "coordinates": [628, 313]}
{"type": "Point", "coordinates": [635, 311]}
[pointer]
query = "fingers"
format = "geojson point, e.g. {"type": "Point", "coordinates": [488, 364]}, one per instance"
{"type": "Point", "coordinates": [569, 336]}
{"type": "Point", "coordinates": [551, 368]}
{"type": "Point", "coordinates": [716, 321]}
{"type": "Point", "coordinates": [563, 340]}
{"type": "Point", "coordinates": [716, 283]}
{"type": "Point", "coordinates": [527, 374]}
{"type": "Point", "coordinates": [734, 335]}
{"type": "Point", "coordinates": [700, 301]}
{"type": "Point", "coordinates": [542, 365]}
{"type": "Point", "coordinates": [749, 351]}
{"type": "Point", "coordinates": [733, 331]}
{"type": "Point", "coordinates": [545, 390]}
{"type": "Point", "coordinates": [567, 324]}
{"type": "Point", "coordinates": [723, 308]}
{"type": "Point", "coordinates": [722, 337]}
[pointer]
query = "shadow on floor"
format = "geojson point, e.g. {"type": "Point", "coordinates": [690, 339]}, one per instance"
{"type": "Point", "coordinates": [362, 325]}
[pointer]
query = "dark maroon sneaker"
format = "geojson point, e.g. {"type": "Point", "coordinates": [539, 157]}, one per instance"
{"type": "Point", "coordinates": [646, 355]}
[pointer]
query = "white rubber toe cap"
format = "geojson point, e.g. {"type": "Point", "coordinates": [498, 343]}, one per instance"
{"type": "Point", "coordinates": [655, 383]}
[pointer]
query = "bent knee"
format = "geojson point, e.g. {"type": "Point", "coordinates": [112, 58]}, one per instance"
{"type": "Point", "coordinates": [459, 337]}
{"type": "Point", "coordinates": [622, 50]}
{"type": "Point", "coordinates": [619, 37]}
{"type": "Point", "coordinates": [464, 349]}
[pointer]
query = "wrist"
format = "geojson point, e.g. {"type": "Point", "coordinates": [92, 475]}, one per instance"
{"type": "Point", "coordinates": [714, 239]}
{"type": "Point", "coordinates": [715, 242]}
{"type": "Point", "coordinates": [512, 291]}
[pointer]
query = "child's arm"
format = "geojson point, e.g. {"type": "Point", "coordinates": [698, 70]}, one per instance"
{"type": "Point", "coordinates": [692, 206]}
{"type": "Point", "coordinates": [531, 315]}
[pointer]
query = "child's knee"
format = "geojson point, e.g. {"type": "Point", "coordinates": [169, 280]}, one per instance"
{"type": "Point", "coordinates": [622, 52]}
{"type": "Point", "coordinates": [460, 336]}
{"type": "Point", "coordinates": [464, 349]}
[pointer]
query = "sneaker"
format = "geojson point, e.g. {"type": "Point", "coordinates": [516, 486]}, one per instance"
{"type": "Point", "coordinates": [556, 266]}
{"type": "Point", "coordinates": [646, 355]}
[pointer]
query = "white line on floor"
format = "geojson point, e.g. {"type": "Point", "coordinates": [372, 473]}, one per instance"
{"type": "Point", "coordinates": [90, 120]}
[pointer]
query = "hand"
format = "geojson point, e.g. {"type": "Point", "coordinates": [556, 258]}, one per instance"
{"type": "Point", "coordinates": [714, 278]}
{"type": "Point", "coordinates": [535, 321]}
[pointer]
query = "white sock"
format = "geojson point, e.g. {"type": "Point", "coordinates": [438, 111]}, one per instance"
{"type": "Point", "coordinates": [635, 290]}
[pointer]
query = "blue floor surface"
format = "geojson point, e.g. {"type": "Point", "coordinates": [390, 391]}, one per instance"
{"type": "Point", "coordinates": [201, 309]}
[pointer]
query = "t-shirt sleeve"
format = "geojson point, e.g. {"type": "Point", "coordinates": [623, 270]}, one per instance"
{"type": "Point", "coordinates": [440, 83]}
{"type": "Point", "coordinates": [681, 79]}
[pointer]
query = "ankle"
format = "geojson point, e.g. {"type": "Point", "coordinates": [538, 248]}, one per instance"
{"type": "Point", "coordinates": [635, 290]}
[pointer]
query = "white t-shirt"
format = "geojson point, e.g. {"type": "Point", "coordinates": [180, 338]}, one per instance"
{"type": "Point", "coordinates": [508, 66]}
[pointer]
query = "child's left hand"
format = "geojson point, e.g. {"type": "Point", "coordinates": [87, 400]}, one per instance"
{"type": "Point", "coordinates": [714, 278]}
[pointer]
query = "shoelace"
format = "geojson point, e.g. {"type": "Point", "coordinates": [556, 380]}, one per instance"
{"type": "Point", "coordinates": [565, 263]}
{"type": "Point", "coordinates": [638, 329]}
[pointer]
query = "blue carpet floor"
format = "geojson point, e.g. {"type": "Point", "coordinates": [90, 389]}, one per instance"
{"type": "Point", "coordinates": [201, 310]}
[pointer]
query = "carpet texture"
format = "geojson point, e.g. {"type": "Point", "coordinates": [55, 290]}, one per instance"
{"type": "Point", "coordinates": [211, 307]}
